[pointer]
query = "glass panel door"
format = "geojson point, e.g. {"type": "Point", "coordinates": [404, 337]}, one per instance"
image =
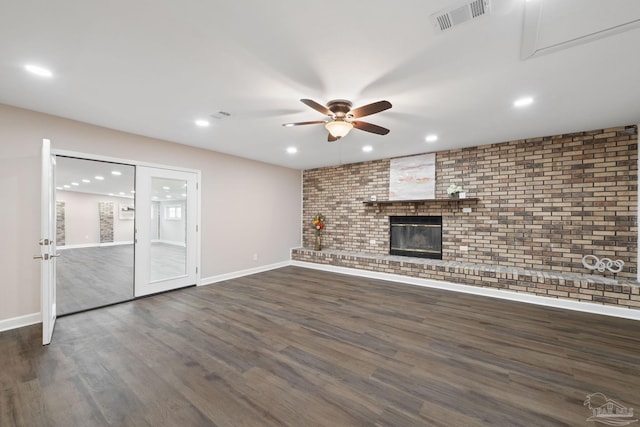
{"type": "Point", "coordinates": [166, 234]}
{"type": "Point", "coordinates": [169, 228]}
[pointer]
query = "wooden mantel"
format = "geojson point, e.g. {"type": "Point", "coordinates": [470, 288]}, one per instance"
{"type": "Point", "coordinates": [416, 202]}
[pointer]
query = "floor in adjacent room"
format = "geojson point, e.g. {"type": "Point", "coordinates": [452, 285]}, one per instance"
{"type": "Point", "coordinates": [93, 277]}
{"type": "Point", "coordinates": [102, 275]}
{"type": "Point", "coordinates": [303, 347]}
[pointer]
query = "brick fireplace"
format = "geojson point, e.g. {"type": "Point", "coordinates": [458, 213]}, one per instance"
{"type": "Point", "coordinates": [540, 205]}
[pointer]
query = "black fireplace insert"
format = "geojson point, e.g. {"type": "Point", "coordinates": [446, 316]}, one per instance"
{"type": "Point", "coordinates": [416, 236]}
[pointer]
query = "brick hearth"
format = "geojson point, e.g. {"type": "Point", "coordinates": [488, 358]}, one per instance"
{"type": "Point", "coordinates": [578, 287]}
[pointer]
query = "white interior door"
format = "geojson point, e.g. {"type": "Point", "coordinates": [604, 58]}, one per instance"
{"type": "Point", "coordinates": [166, 230]}
{"type": "Point", "coordinates": [48, 253]}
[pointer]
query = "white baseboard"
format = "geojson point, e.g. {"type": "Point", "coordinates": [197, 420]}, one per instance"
{"type": "Point", "coordinates": [31, 319]}
{"type": "Point", "coordinates": [586, 307]}
{"type": "Point", "coordinates": [170, 242]}
{"type": "Point", "coordinates": [241, 273]}
{"type": "Point", "coordinates": [20, 321]}
{"type": "Point", "coordinates": [93, 245]}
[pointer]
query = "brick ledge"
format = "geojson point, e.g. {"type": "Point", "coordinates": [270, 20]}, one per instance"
{"type": "Point", "coordinates": [574, 286]}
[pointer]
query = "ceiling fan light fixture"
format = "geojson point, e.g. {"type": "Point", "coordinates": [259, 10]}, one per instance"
{"type": "Point", "coordinates": [339, 128]}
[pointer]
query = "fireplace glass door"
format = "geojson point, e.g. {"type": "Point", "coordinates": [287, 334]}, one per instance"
{"type": "Point", "coordinates": [416, 236]}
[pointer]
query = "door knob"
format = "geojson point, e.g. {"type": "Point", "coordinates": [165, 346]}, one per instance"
{"type": "Point", "coordinates": [46, 256]}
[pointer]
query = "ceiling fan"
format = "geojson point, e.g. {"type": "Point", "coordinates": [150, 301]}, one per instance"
{"type": "Point", "coordinates": [341, 117]}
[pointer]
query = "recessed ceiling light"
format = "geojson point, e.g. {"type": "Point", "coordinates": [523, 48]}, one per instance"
{"type": "Point", "coordinates": [431, 138]}
{"type": "Point", "coordinates": [75, 184]}
{"type": "Point", "coordinates": [116, 173]}
{"type": "Point", "coordinates": [202, 123]}
{"type": "Point", "coordinates": [367, 148]}
{"type": "Point", "coordinates": [58, 188]}
{"type": "Point", "coordinates": [184, 194]}
{"type": "Point", "coordinates": [99, 178]}
{"type": "Point", "coordinates": [154, 198]}
{"type": "Point", "coordinates": [292, 150]}
{"type": "Point", "coordinates": [523, 102]}
{"type": "Point", "coordinates": [133, 191]}
{"type": "Point", "coordinates": [38, 71]}
{"type": "Point", "coordinates": [168, 196]}
{"type": "Point", "coordinates": [166, 188]}
{"type": "Point", "coordinates": [66, 186]}
{"type": "Point", "coordinates": [121, 193]}
{"type": "Point", "coordinates": [86, 181]}
{"type": "Point", "coordinates": [111, 194]}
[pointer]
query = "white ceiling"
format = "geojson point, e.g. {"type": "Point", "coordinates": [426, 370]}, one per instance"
{"type": "Point", "coordinates": [79, 175]}
{"type": "Point", "coordinates": [152, 67]}
{"type": "Point", "coordinates": [112, 179]}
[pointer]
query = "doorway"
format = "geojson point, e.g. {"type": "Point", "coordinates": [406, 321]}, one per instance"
{"type": "Point", "coordinates": [151, 181]}
{"type": "Point", "coordinates": [122, 231]}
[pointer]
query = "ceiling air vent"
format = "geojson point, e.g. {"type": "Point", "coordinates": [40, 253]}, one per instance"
{"type": "Point", "coordinates": [459, 13]}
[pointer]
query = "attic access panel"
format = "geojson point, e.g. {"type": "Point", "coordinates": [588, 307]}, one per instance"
{"type": "Point", "coordinates": [551, 25]}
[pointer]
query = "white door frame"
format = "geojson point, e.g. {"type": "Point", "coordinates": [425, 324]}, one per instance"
{"type": "Point", "coordinates": [88, 156]}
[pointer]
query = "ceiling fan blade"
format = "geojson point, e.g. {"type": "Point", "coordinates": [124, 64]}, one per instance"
{"type": "Point", "coordinates": [332, 138]}
{"type": "Point", "coordinates": [368, 127]}
{"type": "Point", "coordinates": [313, 104]}
{"type": "Point", "coordinates": [315, 122]}
{"type": "Point", "coordinates": [369, 109]}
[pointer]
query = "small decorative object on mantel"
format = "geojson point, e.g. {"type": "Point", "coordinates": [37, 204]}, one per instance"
{"type": "Point", "coordinates": [454, 191]}
{"type": "Point", "coordinates": [318, 224]}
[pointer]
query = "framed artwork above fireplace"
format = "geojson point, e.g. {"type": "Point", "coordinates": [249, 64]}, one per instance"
{"type": "Point", "coordinates": [412, 178]}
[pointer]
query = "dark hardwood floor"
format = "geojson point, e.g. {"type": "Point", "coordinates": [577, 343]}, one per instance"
{"type": "Point", "coordinates": [300, 347]}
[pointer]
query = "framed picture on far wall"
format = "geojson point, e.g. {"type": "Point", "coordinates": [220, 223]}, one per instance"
{"type": "Point", "coordinates": [413, 178]}
{"type": "Point", "coordinates": [126, 211]}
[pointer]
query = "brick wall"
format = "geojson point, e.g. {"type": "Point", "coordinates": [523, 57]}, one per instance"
{"type": "Point", "coordinates": [542, 203]}
{"type": "Point", "coordinates": [60, 223]}
{"type": "Point", "coordinates": [106, 221]}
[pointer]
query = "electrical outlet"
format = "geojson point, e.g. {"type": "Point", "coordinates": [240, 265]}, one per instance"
{"type": "Point", "coordinates": [255, 257]}
{"type": "Point", "coordinates": [464, 248]}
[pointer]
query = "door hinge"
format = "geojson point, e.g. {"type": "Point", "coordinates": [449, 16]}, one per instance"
{"type": "Point", "coordinates": [196, 270]}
